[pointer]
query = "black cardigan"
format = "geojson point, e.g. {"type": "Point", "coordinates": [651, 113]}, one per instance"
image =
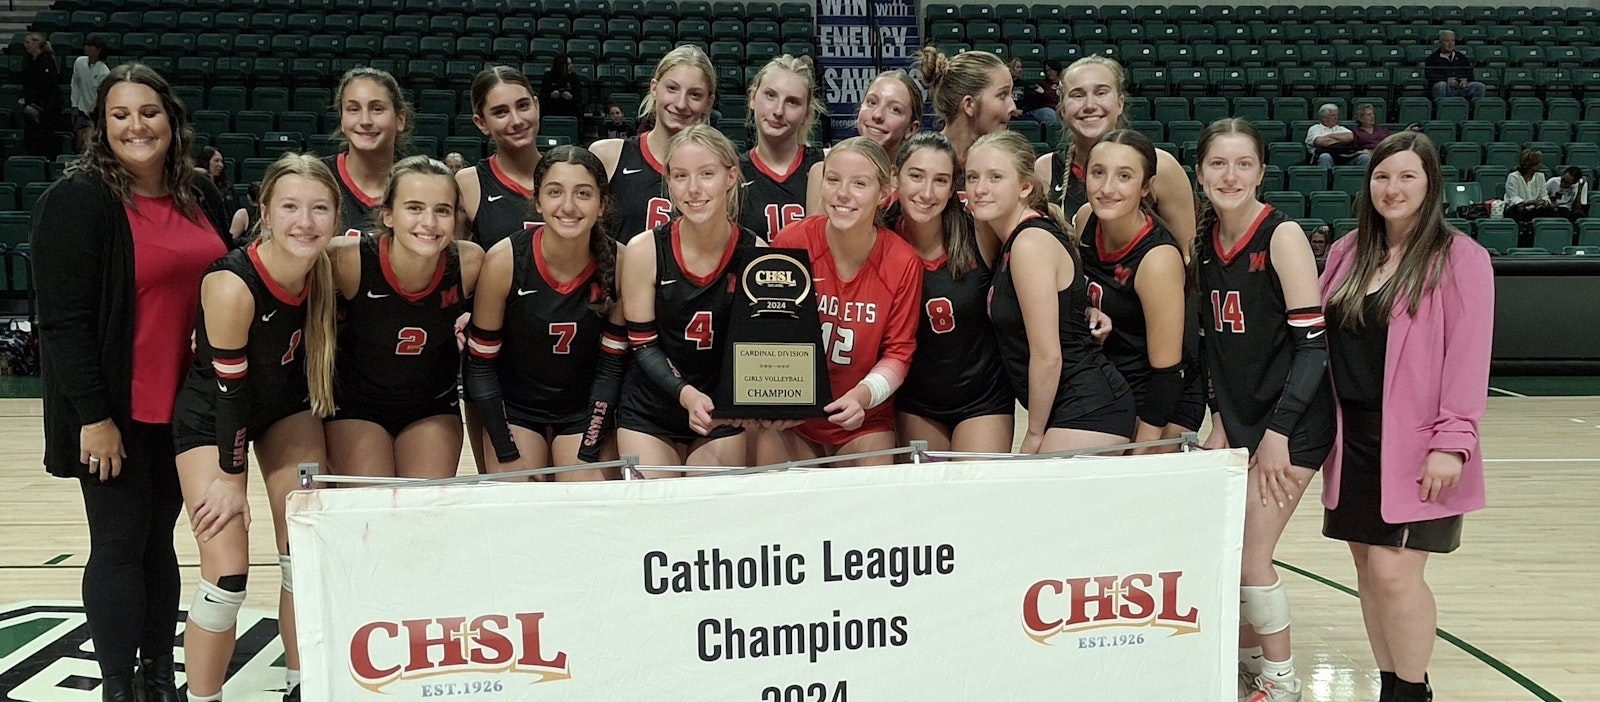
{"type": "Point", "coordinates": [82, 248]}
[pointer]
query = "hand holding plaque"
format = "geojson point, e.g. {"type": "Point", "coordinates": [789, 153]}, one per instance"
{"type": "Point", "coordinates": [775, 367]}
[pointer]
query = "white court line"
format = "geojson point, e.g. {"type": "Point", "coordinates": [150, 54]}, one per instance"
{"type": "Point", "coordinates": [1541, 460]}
{"type": "Point", "coordinates": [1506, 392]}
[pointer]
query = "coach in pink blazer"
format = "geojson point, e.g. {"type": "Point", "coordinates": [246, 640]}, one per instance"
{"type": "Point", "coordinates": [1410, 311]}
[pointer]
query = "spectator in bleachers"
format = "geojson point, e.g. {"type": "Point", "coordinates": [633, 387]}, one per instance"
{"type": "Point", "coordinates": [1526, 197]}
{"type": "Point", "coordinates": [41, 98]}
{"type": "Point", "coordinates": [1569, 194]}
{"type": "Point", "coordinates": [1039, 101]}
{"type": "Point", "coordinates": [245, 218]}
{"type": "Point", "coordinates": [561, 91]}
{"type": "Point", "coordinates": [455, 161]}
{"type": "Point", "coordinates": [87, 72]}
{"type": "Point", "coordinates": [1319, 238]}
{"type": "Point", "coordinates": [213, 165]}
{"type": "Point", "coordinates": [1450, 71]}
{"type": "Point", "coordinates": [615, 125]}
{"type": "Point", "coordinates": [1368, 132]}
{"type": "Point", "coordinates": [1332, 144]}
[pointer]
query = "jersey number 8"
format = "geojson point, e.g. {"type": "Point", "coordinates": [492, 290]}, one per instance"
{"type": "Point", "coordinates": [941, 315]}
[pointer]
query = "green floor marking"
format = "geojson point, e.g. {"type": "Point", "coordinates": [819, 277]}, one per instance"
{"type": "Point", "coordinates": [20, 634]}
{"type": "Point", "coordinates": [58, 559]}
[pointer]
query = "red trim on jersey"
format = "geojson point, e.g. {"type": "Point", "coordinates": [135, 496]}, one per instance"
{"type": "Point", "coordinates": [1113, 256]}
{"type": "Point", "coordinates": [394, 281]}
{"type": "Point", "coordinates": [505, 179]}
{"type": "Point", "coordinates": [794, 168]}
{"type": "Point", "coordinates": [1077, 171]}
{"type": "Point", "coordinates": [350, 183]}
{"type": "Point", "coordinates": [272, 285]}
{"type": "Point", "coordinates": [727, 255]}
{"type": "Point", "coordinates": [935, 264]}
{"type": "Point", "coordinates": [1239, 247]}
{"type": "Point", "coordinates": [650, 158]}
{"type": "Point", "coordinates": [231, 368]}
{"type": "Point", "coordinates": [1310, 319]}
{"type": "Point", "coordinates": [550, 278]}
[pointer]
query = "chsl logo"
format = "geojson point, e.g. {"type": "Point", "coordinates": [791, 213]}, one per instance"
{"type": "Point", "coordinates": [46, 654]}
{"type": "Point", "coordinates": [1141, 600]}
{"type": "Point", "coordinates": [387, 652]}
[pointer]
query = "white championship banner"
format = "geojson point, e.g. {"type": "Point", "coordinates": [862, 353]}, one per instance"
{"type": "Point", "coordinates": [1083, 579]}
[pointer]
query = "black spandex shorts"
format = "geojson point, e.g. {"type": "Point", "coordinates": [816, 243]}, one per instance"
{"type": "Point", "coordinates": [394, 417]}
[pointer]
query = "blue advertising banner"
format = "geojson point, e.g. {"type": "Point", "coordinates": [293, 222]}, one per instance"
{"type": "Point", "coordinates": [855, 40]}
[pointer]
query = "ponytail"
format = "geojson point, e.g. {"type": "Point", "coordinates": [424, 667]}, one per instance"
{"type": "Point", "coordinates": [320, 335]}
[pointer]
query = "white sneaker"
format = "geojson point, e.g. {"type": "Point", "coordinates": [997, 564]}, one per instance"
{"type": "Point", "coordinates": [1247, 682]}
{"type": "Point", "coordinates": [1268, 690]}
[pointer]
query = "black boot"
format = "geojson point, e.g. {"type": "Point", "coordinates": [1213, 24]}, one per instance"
{"type": "Point", "coordinates": [293, 694]}
{"type": "Point", "coordinates": [1413, 692]}
{"type": "Point", "coordinates": [156, 680]}
{"type": "Point", "coordinates": [1386, 681]}
{"type": "Point", "coordinates": [119, 688]}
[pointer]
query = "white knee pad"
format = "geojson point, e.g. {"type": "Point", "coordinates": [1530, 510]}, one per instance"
{"type": "Point", "coordinates": [1266, 609]}
{"type": "Point", "coordinates": [215, 609]}
{"type": "Point", "coordinates": [288, 573]}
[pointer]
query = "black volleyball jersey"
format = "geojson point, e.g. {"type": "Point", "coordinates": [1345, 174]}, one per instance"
{"type": "Point", "coordinates": [640, 201]}
{"type": "Point", "coordinates": [1111, 277]}
{"type": "Point", "coordinates": [1078, 349]}
{"type": "Point", "coordinates": [355, 209]}
{"type": "Point", "coordinates": [1068, 188]}
{"type": "Point", "coordinates": [551, 335]}
{"type": "Point", "coordinates": [504, 206]}
{"type": "Point", "coordinates": [276, 376]}
{"type": "Point", "coordinates": [770, 201]}
{"type": "Point", "coordinates": [1248, 345]}
{"type": "Point", "coordinates": [958, 356]}
{"type": "Point", "coordinates": [399, 347]}
{"type": "Point", "coordinates": [692, 315]}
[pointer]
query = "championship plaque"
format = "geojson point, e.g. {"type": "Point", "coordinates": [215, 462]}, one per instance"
{"type": "Point", "coordinates": [775, 367]}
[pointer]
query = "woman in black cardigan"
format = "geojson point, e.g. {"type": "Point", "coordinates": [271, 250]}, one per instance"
{"type": "Point", "coordinates": [119, 246]}
{"type": "Point", "coordinates": [41, 98]}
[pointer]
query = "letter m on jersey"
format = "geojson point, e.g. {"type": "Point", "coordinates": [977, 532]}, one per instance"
{"type": "Point", "coordinates": [1258, 261]}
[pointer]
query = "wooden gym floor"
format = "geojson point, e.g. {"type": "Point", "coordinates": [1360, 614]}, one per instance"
{"type": "Point", "coordinates": [1518, 605]}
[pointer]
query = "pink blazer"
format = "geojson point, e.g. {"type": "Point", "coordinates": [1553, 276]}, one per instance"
{"type": "Point", "coordinates": [1435, 384]}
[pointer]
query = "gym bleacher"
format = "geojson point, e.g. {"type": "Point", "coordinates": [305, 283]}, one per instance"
{"type": "Point", "coordinates": [258, 76]}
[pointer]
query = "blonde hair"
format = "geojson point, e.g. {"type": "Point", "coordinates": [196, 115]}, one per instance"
{"type": "Point", "coordinates": [874, 153]}
{"type": "Point", "coordinates": [1019, 153]}
{"type": "Point", "coordinates": [320, 309]}
{"type": "Point", "coordinates": [952, 79]}
{"type": "Point", "coordinates": [685, 55]}
{"type": "Point", "coordinates": [717, 143]}
{"type": "Point", "coordinates": [1119, 80]}
{"type": "Point", "coordinates": [793, 65]}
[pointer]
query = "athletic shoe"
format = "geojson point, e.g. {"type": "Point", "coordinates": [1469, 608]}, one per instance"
{"type": "Point", "coordinates": [1268, 690]}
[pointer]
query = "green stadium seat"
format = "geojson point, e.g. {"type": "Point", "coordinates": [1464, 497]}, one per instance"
{"type": "Point", "coordinates": [302, 123]}
{"type": "Point", "coordinates": [1492, 179]}
{"type": "Point", "coordinates": [1292, 204]}
{"type": "Point", "coordinates": [1440, 131]}
{"type": "Point", "coordinates": [1516, 131]}
{"type": "Point", "coordinates": [1527, 109]}
{"type": "Point", "coordinates": [1348, 179]}
{"type": "Point", "coordinates": [1250, 108]}
{"type": "Point", "coordinates": [1463, 155]}
{"type": "Point", "coordinates": [1583, 154]}
{"type": "Point", "coordinates": [1477, 132]}
{"type": "Point", "coordinates": [1183, 131]}
{"type": "Point", "coordinates": [1284, 154]}
{"type": "Point", "coordinates": [1306, 179]}
{"type": "Point", "coordinates": [1557, 131]}
{"type": "Point", "coordinates": [1552, 233]}
{"type": "Point", "coordinates": [235, 144]}
{"type": "Point", "coordinates": [27, 169]}
{"type": "Point", "coordinates": [1329, 205]}
{"type": "Point", "coordinates": [1503, 154]}
{"type": "Point", "coordinates": [1271, 179]}
{"type": "Point", "coordinates": [1289, 109]}
{"type": "Point", "coordinates": [1589, 231]}
{"type": "Point", "coordinates": [1169, 109]}
{"type": "Point", "coordinates": [1562, 109]}
{"type": "Point", "coordinates": [1497, 235]}
{"type": "Point", "coordinates": [1150, 128]}
{"type": "Point", "coordinates": [1210, 109]}
{"type": "Point", "coordinates": [1273, 130]}
{"type": "Point", "coordinates": [1414, 110]}
{"type": "Point", "coordinates": [486, 25]}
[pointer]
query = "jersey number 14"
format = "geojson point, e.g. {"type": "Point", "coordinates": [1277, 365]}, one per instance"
{"type": "Point", "coordinates": [1226, 310]}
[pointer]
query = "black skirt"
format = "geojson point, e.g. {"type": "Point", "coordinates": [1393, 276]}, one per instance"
{"type": "Point", "coordinates": [1359, 516]}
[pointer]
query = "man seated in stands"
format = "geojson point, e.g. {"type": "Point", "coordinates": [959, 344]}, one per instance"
{"type": "Point", "coordinates": [1449, 70]}
{"type": "Point", "coordinates": [1569, 194]}
{"type": "Point", "coordinates": [1332, 144]}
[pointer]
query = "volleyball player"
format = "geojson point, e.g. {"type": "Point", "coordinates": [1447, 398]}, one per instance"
{"type": "Point", "coordinates": [373, 118]}
{"type": "Point", "coordinates": [677, 292]}
{"type": "Point", "coordinates": [955, 396]}
{"type": "Point", "coordinates": [681, 93]}
{"type": "Point", "coordinates": [782, 112]}
{"type": "Point", "coordinates": [403, 288]}
{"type": "Point", "coordinates": [868, 285]}
{"type": "Point", "coordinates": [890, 112]}
{"type": "Point", "coordinates": [1266, 357]}
{"type": "Point", "coordinates": [971, 94]}
{"type": "Point", "coordinates": [547, 344]}
{"type": "Point", "coordinates": [263, 374]}
{"type": "Point", "coordinates": [1136, 277]}
{"type": "Point", "coordinates": [497, 192]}
{"type": "Point", "coordinates": [1075, 397]}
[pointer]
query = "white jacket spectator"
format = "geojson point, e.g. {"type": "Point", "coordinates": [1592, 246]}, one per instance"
{"type": "Point", "coordinates": [1519, 189]}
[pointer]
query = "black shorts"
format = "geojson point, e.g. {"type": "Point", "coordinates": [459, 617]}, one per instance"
{"type": "Point", "coordinates": [997, 401]}
{"type": "Point", "coordinates": [1359, 516]}
{"type": "Point", "coordinates": [194, 416]}
{"type": "Point", "coordinates": [671, 424]}
{"type": "Point", "coordinates": [1190, 410]}
{"type": "Point", "coordinates": [543, 424]}
{"type": "Point", "coordinates": [394, 417]}
{"type": "Point", "coordinates": [1095, 398]}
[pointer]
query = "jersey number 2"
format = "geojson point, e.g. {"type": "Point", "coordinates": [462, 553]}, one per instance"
{"type": "Point", "coordinates": [1227, 309]}
{"type": "Point", "coordinates": [412, 339]}
{"type": "Point", "coordinates": [699, 330]}
{"type": "Point", "coordinates": [941, 315]}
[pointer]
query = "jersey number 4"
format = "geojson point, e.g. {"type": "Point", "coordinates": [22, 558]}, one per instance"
{"type": "Point", "coordinates": [1226, 309]}
{"type": "Point", "coordinates": [699, 330]}
{"type": "Point", "coordinates": [412, 340]}
{"type": "Point", "coordinates": [941, 315]}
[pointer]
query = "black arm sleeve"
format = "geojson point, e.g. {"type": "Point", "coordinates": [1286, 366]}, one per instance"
{"type": "Point", "coordinates": [607, 389]}
{"type": "Point", "coordinates": [482, 383]}
{"type": "Point", "coordinates": [232, 420]}
{"type": "Point", "coordinates": [1161, 398]}
{"type": "Point", "coordinates": [1307, 370]}
{"type": "Point", "coordinates": [653, 361]}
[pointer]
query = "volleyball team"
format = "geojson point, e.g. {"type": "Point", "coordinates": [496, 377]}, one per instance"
{"type": "Point", "coordinates": [582, 297]}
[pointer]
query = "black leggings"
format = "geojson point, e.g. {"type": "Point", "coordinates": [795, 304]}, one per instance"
{"type": "Point", "coordinates": [131, 585]}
